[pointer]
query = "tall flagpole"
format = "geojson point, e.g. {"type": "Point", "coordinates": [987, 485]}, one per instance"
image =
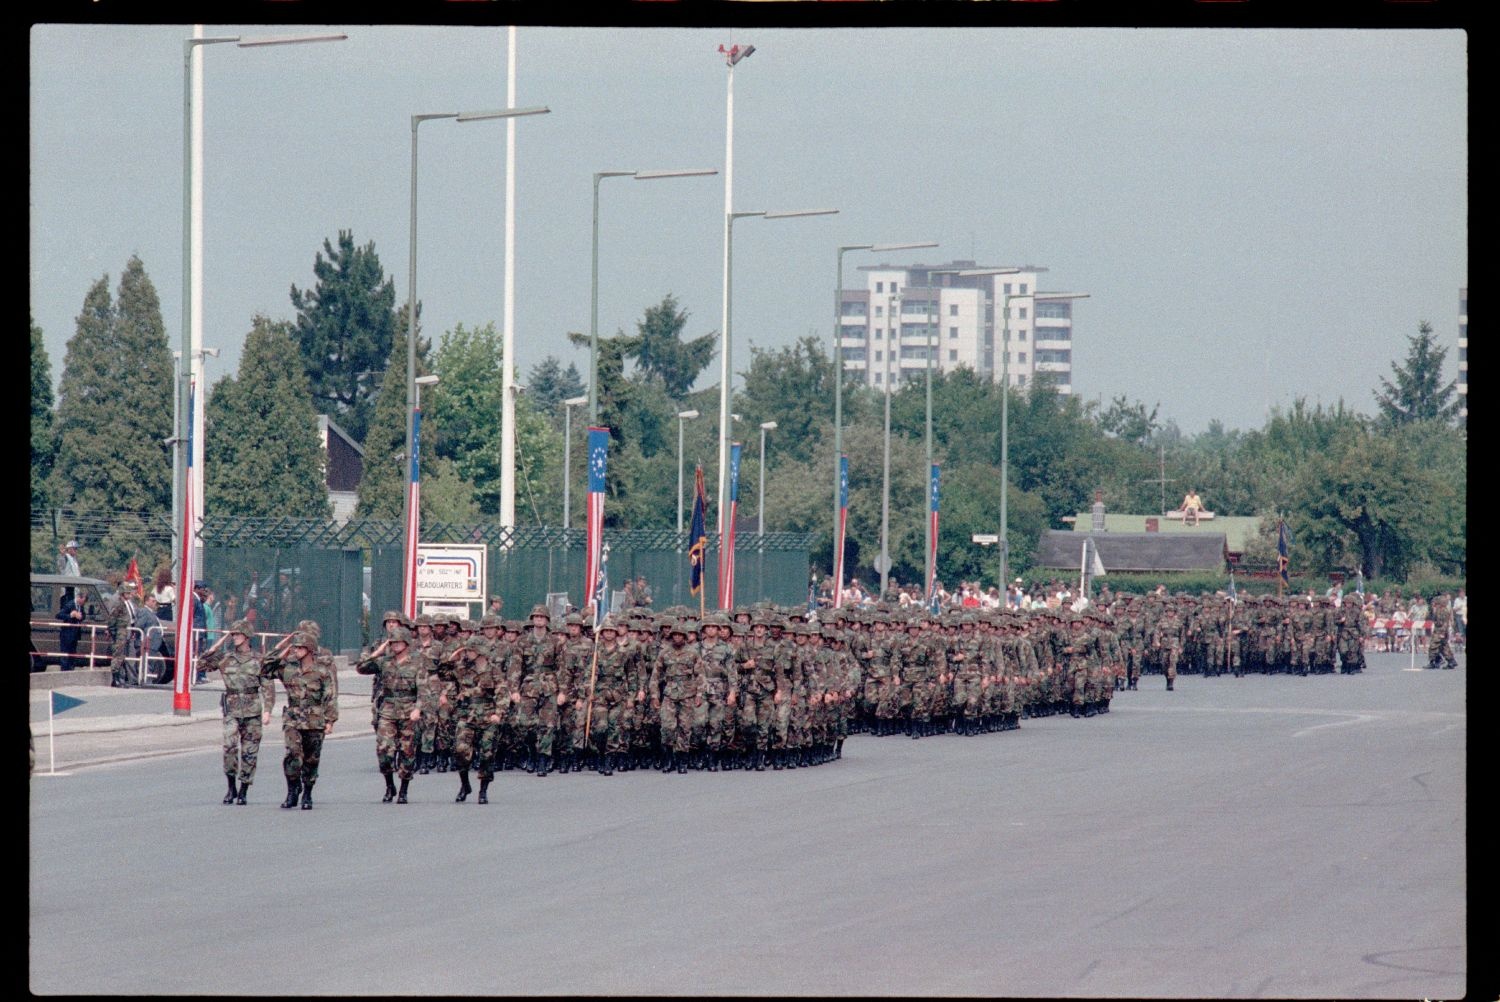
{"type": "Point", "coordinates": [508, 336]}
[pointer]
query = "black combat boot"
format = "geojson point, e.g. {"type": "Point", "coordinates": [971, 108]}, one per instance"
{"type": "Point", "coordinates": [293, 787]}
{"type": "Point", "coordinates": [607, 766]}
{"type": "Point", "coordinates": [543, 764]}
{"type": "Point", "coordinates": [1169, 685]}
{"type": "Point", "coordinates": [1074, 711]}
{"type": "Point", "coordinates": [444, 761]}
{"type": "Point", "coordinates": [390, 789]}
{"type": "Point", "coordinates": [229, 797]}
{"type": "Point", "coordinates": [240, 797]}
{"type": "Point", "coordinates": [838, 749]}
{"type": "Point", "coordinates": [484, 791]}
{"type": "Point", "coordinates": [684, 759]}
{"type": "Point", "coordinates": [401, 794]}
{"type": "Point", "coordinates": [463, 786]}
{"type": "Point", "coordinates": [307, 796]}
{"type": "Point", "coordinates": [424, 763]}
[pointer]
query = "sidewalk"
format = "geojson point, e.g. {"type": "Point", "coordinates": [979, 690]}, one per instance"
{"type": "Point", "coordinates": [120, 725]}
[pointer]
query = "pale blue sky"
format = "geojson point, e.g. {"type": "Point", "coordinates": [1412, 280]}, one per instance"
{"type": "Point", "coordinates": [1256, 214]}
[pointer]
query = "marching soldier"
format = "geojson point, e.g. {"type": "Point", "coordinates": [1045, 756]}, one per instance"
{"type": "Point", "coordinates": [247, 703]}
{"type": "Point", "coordinates": [310, 713]}
{"type": "Point", "coordinates": [401, 674]}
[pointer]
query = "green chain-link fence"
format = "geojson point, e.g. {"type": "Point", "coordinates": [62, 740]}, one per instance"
{"type": "Point", "coordinates": [292, 569]}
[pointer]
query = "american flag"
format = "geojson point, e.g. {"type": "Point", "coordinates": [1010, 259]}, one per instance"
{"type": "Point", "coordinates": [932, 598]}
{"type": "Point", "coordinates": [413, 518]}
{"type": "Point", "coordinates": [183, 646]}
{"type": "Point", "coordinates": [598, 461]}
{"type": "Point", "coordinates": [838, 546]}
{"type": "Point", "coordinates": [726, 549]}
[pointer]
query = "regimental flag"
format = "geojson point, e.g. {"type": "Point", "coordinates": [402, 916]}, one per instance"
{"type": "Point", "coordinates": [598, 462]}
{"type": "Point", "coordinates": [1359, 584]}
{"type": "Point", "coordinates": [838, 547]}
{"type": "Point", "coordinates": [601, 594]}
{"type": "Point", "coordinates": [698, 537]}
{"type": "Point", "coordinates": [133, 574]}
{"type": "Point", "coordinates": [932, 598]}
{"type": "Point", "coordinates": [812, 596]}
{"type": "Point", "coordinates": [1232, 596]}
{"type": "Point", "coordinates": [61, 703]}
{"type": "Point", "coordinates": [726, 544]}
{"type": "Point", "coordinates": [413, 517]}
{"type": "Point", "coordinates": [183, 646]}
{"type": "Point", "coordinates": [1096, 566]}
{"type": "Point", "coordinates": [1283, 552]}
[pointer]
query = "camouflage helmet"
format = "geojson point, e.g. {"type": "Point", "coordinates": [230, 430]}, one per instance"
{"type": "Point", "coordinates": [311, 627]}
{"type": "Point", "coordinates": [611, 623]}
{"type": "Point", "coordinates": [400, 635]}
{"type": "Point", "coordinates": [573, 619]}
{"type": "Point", "coordinates": [423, 620]}
{"type": "Point", "coordinates": [513, 625]}
{"type": "Point", "coordinates": [540, 610]}
{"type": "Point", "coordinates": [393, 614]}
{"type": "Point", "coordinates": [301, 639]}
{"type": "Point", "coordinates": [467, 626]}
{"type": "Point", "coordinates": [243, 627]}
{"type": "Point", "coordinates": [488, 620]}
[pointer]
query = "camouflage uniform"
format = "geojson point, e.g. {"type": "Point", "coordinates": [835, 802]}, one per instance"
{"type": "Point", "coordinates": [475, 681]}
{"type": "Point", "coordinates": [401, 675]}
{"type": "Point", "coordinates": [311, 710]}
{"type": "Point", "coordinates": [677, 682]}
{"type": "Point", "coordinates": [248, 699]}
{"type": "Point", "coordinates": [1440, 644]}
{"type": "Point", "coordinates": [539, 688]}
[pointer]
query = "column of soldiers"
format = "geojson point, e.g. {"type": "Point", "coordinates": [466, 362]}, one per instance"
{"type": "Point", "coordinates": [1217, 635]}
{"type": "Point", "coordinates": [767, 689]}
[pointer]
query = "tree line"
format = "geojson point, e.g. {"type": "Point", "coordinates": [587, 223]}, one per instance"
{"type": "Point", "coordinates": [1381, 492]}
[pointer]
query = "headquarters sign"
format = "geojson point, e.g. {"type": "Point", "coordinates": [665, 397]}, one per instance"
{"type": "Point", "coordinates": [451, 573]}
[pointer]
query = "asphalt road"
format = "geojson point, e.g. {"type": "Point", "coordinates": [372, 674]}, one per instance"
{"type": "Point", "coordinates": [1238, 838]}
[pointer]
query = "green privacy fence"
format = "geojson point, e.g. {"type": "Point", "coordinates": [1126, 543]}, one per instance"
{"type": "Point", "coordinates": [340, 574]}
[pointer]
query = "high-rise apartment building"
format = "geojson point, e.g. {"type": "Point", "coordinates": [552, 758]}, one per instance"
{"type": "Point", "coordinates": [884, 327]}
{"type": "Point", "coordinates": [1463, 356]}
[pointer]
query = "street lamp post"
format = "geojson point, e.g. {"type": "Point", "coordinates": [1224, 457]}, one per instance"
{"type": "Point", "coordinates": [188, 478]}
{"type": "Point", "coordinates": [1005, 417]}
{"type": "Point", "coordinates": [933, 312]}
{"type": "Point", "coordinates": [761, 505]}
{"type": "Point", "coordinates": [726, 341]}
{"type": "Point", "coordinates": [568, 406]}
{"type": "Point", "coordinates": [639, 175]}
{"type": "Point", "coordinates": [885, 464]}
{"type": "Point", "coordinates": [838, 370]}
{"type": "Point", "coordinates": [414, 496]}
{"type": "Point", "coordinates": [682, 418]}
{"type": "Point", "coordinates": [409, 583]}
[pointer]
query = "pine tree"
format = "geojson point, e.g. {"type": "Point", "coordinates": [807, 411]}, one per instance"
{"type": "Point", "coordinates": [114, 405]}
{"type": "Point", "coordinates": [662, 355]}
{"type": "Point", "coordinates": [345, 328]}
{"type": "Point", "coordinates": [549, 385]}
{"type": "Point", "coordinates": [262, 456]}
{"type": "Point", "coordinates": [41, 418]}
{"type": "Point", "coordinates": [1418, 393]}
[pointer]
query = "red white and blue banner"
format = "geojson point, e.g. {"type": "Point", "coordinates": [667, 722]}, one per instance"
{"type": "Point", "coordinates": [182, 698]}
{"type": "Point", "coordinates": [598, 463]}
{"type": "Point", "coordinates": [838, 544]}
{"type": "Point", "coordinates": [413, 518]}
{"type": "Point", "coordinates": [932, 598]}
{"type": "Point", "coordinates": [726, 547]}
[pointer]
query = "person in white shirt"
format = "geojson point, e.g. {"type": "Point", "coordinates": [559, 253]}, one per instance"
{"type": "Point", "coordinates": [67, 560]}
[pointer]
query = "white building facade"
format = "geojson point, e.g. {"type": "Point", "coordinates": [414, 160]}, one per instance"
{"type": "Point", "coordinates": [885, 325]}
